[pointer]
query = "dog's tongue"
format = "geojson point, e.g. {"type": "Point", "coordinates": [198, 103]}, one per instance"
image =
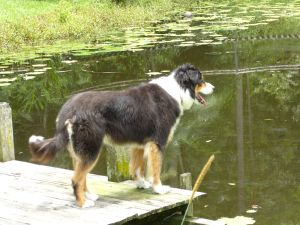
{"type": "Point", "coordinates": [201, 99]}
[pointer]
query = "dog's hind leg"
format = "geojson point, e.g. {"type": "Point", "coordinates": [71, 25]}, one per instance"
{"type": "Point", "coordinates": [85, 140]}
{"type": "Point", "coordinates": [89, 195]}
{"type": "Point", "coordinates": [81, 170]}
{"type": "Point", "coordinates": [154, 155]}
{"type": "Point", "coordinates": [137, 168]}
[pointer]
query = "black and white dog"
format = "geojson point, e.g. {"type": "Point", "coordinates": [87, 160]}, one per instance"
{"type": "Point", "coordinates": [143, 118]}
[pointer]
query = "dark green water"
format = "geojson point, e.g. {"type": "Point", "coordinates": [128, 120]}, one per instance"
{"type": "Point", "coordinates": [251, 122]}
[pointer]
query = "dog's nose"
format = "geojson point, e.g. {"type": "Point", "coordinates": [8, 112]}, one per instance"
{"type": "Point", "coordinates": [210, 85]}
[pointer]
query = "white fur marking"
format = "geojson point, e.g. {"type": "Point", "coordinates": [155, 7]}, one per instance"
{"type": "Point", "coordinates": [108, 141]}
{"type": "Point", "coordinates": [91, 196]}
{"type": "Point", "coordinates": [70, 144]}
{"type": "Point", "coordinates": [88, 203]}
{"type": "Point", "coordinates": [34, 139]}
{"type": "Point", "coordinates": [170, 85]}
{"type": "Point", "coordinates": [172, 131]}
{"type": "Point", "coordinates": [142, 184]}
{"type": "Point", "coordinates": [140, 181]}
{"type": "Point", "coordinates": [161, 189]}
{"type": "Point", "coordinates": [208, 89]}
{"type": "Point", "coordinates": [57, 119]}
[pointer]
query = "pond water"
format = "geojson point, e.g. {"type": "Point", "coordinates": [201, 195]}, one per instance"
{"type": "Point", "coordinates": [251, 122]}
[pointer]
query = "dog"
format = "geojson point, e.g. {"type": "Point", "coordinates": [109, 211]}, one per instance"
{"type": "Point", "coordinates": [143, 118]}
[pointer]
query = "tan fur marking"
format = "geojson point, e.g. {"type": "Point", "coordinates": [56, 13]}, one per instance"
{"type": "Point", "coordinates": [199, 87]}
{"type": "Point", "coordinates": [75, 165]}
{"type": "Point", "coordinates": [137, 163]}
{"type": "Point", "coordinates": [79, 179]}
{"type": "Point", "coordinates": [155, 160]}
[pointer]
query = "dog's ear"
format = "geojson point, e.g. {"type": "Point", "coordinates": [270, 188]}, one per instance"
{"type": "Point", "coordinates": [194, 76]}
{"type": "Point", "coordinates": [184, 76]}
{"type": "Point", "coordinates": [190, 75]}
{"type": "Point", "coordinates": [187, 76]}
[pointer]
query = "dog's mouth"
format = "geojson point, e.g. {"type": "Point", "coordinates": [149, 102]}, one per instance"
{"type": "Point", "coordinates": [200, 99]}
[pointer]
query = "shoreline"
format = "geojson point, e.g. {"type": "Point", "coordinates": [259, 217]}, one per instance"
{"type": "Point", "coordinates": [82, 21]}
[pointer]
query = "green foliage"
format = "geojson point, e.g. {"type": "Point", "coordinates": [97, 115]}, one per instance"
{"type": "Point", "coordinates": [278, 86]}
{"type": "Point", "coordinates": [86, 20]}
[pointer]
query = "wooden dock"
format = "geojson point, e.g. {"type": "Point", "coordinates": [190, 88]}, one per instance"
{"type": "Point", "coordinates": [35, 194]}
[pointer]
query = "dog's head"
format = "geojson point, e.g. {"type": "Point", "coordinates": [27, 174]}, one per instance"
{"type": "Point", "coordinates": [191, 80]}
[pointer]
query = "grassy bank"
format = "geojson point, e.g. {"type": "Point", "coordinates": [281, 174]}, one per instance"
{"type": "Point", "coordinates": [32, 22]}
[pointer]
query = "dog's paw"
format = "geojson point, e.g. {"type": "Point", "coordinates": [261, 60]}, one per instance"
{"type": "Point", "coordinates": [34, 139]}
{"type": "Point", "coordinates": [143, 184]}
{"type": "Point", "coordinates": [161, 189]}
{"type": "Point", "coordinates": [88, 203]}
{"type": "Point", "coordinates": [91, 196]}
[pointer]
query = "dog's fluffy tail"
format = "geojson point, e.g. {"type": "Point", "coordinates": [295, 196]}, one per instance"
{"type": "Point", "coordinates": [43, 150]}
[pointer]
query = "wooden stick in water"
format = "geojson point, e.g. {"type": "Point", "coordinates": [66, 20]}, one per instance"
{"type": "Point", "coordinates": [198, 183]}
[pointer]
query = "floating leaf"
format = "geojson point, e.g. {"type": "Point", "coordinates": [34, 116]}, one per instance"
{"type": "Point", "coordinates": [35, 73]}
{"type": "Point", "coordinates": [215, 35]}
{"type": "Point", "coordinates": [238, 220]}
{"type": "Point", "coordinates": [188, 35]}
{"type": "Point", "coordinates": [221, 38]}
{"type": "Point", "coordinates": [251, 211]}
{"type": "Point", "coordinates": [137, 49]}
{"type": "Point", "coordinates": [188, 42]}
{"type": "Point", "coordinates": [28, 77]}
{"type": "Point", "coordinates": [242, 28]}
{"type": "Point", "coordinates": [42, 69]}
{"type": "Point", "coordinates": [39, 65]}
{"type": "Point", "coordinates": [195, 28]}
{"type": "Point", "coordinates": [185, 45]}
{"type": "Point", "coordinates": [216, 43]}
{"type": "Point", "coordinates": [198, 44]}
{"type": "Point", "coordinates": [153, 73]}
{"type": "Point", "coordinates": [4, 84]}
{"type": "Point", "coordinates": [69, 61]}
{"type": "Point", "coordinates": [5, 80]}
{"type": "Point", "coordinates": [42, 59]}
{"type": "Point", "coordinates": [6, 72]}
{"type": "Point", "coordinates": [255, 206]}
{"type": "Point", "coordinates": [207, 41]}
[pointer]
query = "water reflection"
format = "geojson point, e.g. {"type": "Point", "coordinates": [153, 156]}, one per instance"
{"type": "Point", "coordinates": [251, 123]}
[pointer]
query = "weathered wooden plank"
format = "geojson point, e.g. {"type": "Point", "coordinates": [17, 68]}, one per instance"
{"type": "Point", "coordinates": [128, 192]}
{"type": "Point", "coordinates": [5, 221]}
{"type": "Point", "coordinates": [50, 197]}
{"type": "Point", "coordinates": [125, 193]}
{"type": "Point", "coordinates": [37, 204]}
{"type": "Point", "coordinates": [53, 198]}
{"type": "Point", "coordinates": [58, 188]}
{"type": "Point", "coordinates": [41, 193]}
{"type": "Point", "coordinates": [142, 207]}
{"type": "Point", "coordinates": [50, 172]}
{"type": "Point", "coordinates": [65, 193]}
{"type": "Point", "coordinates": [43, 189]}
{"type": "Point", "coordinates": [70, 216]}
{"type": "Point", "coordinates": [7, 151]}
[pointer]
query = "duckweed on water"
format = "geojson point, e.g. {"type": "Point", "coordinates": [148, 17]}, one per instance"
{"type": "Point", "coordinates": [210, 25]}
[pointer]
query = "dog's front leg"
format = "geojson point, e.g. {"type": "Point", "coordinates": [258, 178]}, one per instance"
{"type": "Point", "coordinates": [137, 168]}
{"type": "Point", "coordinates": [154, 155]}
